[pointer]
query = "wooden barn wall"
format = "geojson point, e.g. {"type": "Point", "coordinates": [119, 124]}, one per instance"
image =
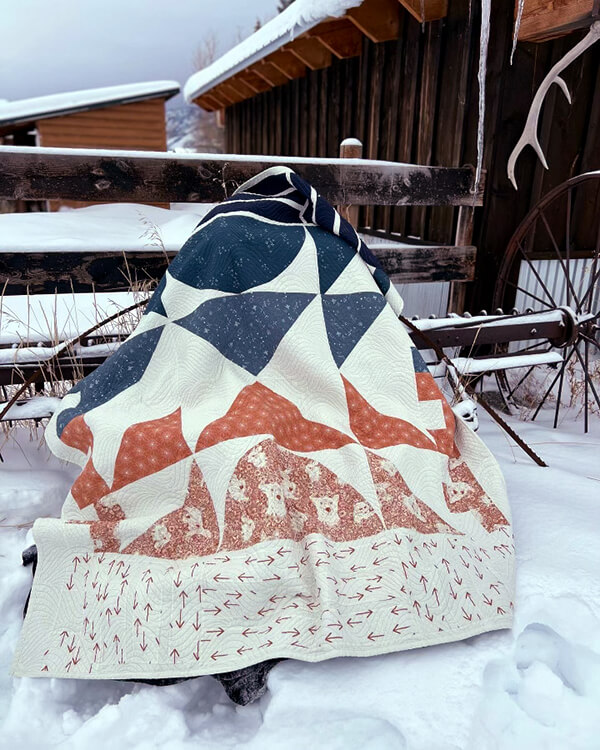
{"type": "Point", "coordinates": [415, 99]}
{"type": "Point", "coordinates": [139, 126]}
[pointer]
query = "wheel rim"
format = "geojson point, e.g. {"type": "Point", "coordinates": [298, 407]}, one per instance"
{"type": "Point", "coordinates": [553, 260]}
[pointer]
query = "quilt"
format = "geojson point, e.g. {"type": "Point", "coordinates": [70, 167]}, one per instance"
{"type": "Point", "coordinates": [268, 469]}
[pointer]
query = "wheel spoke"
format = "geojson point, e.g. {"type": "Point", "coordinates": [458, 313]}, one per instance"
{"type": "Point", "coordinates": [590, 340]}
{"type": "Point", "coordinates": [585, 392]}
{"type": "Point", "coordinates": [560, 387]}
{"type": "Point", "coordinates": [522, 380]}
{"type": "Point", "coordinates": [567, 241]}
{"type": "Point", "coordinates": [529, 294]}
{"type": "Point", "coordinates": [595, 274]}
{"type": "Point", "coordinates": [558, 374]}
{"type": "Point", "coordinates": [561, 261]}
{"type": "Point", "coordinates": [537, 275]}
{"type": "Point", "coordinates": [587, 377]}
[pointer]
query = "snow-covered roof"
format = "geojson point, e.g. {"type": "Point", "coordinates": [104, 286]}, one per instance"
{"type": "Point", "coordinates": [26, 110]}
{"type": "Point", "coordinates": [298, 18]}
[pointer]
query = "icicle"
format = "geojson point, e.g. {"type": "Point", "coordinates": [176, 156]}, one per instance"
{"type": "Point", "coordinates": [484, 39]}
{"type": "Point", "coordinates": [517, 27]}
{"type": "Point", "coordinates": [422, 15]}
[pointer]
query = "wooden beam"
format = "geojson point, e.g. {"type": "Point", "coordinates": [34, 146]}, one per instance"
{"type": "Point", "coordinates": [340, 37]}
{"type": "Point", "coordinates": [253, 80]}
{"type": "Point", "coordinates": [287, 63]}
{"type": "Point", "coordinates": [544, 20]}
{"type": "Point", "coordinates": [218, 97]}
{"type": "Point", "coordinates": [224, 95]}
{"type": "Point", "coordinates": [59, 272]}
{"type": "Point", "coordinates": [269, 73]}
{"type": "Point", "coordinates": [230, 91]}
{"type": "Point", "coordinates": [145, 177]}
{"type": "Point", "coordinates": [207, 102]}
{"type": "Point", "coordinates": [426, 10]}
{"type": "Point", "coordinates": [377, 19]}
{"type": "Point", "coordinates": [311, 52]}
{"type": "Point", "coordinates": [239, 84]}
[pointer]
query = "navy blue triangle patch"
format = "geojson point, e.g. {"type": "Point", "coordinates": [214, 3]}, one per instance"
{"type": "Point", "coordinates": [235, 253]}
{"type": "Point", "coordinates": [347, 318]}
{"type": "Point", "coordinates": [120, 371]}
{"type": "Point", "coordinates": [248, 328]}
{"type": "Point", "coordinates": [333, 255]}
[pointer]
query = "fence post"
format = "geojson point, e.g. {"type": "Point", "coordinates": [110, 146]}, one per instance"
{"type": "Point", "coordinates": [350, 148]}
{"type": "Point", "coordinates": [463, 237]}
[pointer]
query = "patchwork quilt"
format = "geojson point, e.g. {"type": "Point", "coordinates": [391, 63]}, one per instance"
{"type": "Point", "coordinates": [268, 469]}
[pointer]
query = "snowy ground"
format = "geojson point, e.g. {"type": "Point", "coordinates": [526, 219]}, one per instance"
{"type": "Point", "coordinates": [535, 687]}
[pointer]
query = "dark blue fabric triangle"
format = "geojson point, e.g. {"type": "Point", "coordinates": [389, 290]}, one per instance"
{"type": "Point", "coordinates": [120, 371]}
{"type": "Point", "coordinates": [248, 328]}
{"type": "Point", "coordinates": [234, 253]}
{"type": "Point", "coordinates": [347, 318]}
{"type": "Point", "coordinates": [333, 255]}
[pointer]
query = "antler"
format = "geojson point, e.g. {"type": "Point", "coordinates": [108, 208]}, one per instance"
{"type": "Point", "coordinates": [529, 135]}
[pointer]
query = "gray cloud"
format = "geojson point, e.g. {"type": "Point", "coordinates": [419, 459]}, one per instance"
{"type": "Point", "coordinates": [75, 44]}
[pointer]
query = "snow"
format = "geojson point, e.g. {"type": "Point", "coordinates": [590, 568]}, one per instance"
{"type": "Point", "coordinates": [34, 408]}
{"type": "Point", "coordinates": [45, 106]}
{"type": "Point", "coordinates": [535, 688]}
{"type": "Point", "coordinates": [299, 17]}
{"type": "Point", "coordinates": [119, 227]}
{"type": "Point", "coordinates": [469, 366]}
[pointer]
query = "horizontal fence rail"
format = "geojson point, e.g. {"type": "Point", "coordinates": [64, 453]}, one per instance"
{"type": "Point", "coordinates": [29, 173]}
{"type": "Point", "coordinates": [55, 271]}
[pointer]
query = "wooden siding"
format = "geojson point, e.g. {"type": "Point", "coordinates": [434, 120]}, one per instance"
{"type": "Point", "coordinates": [139, 126]}
{"type": "Point", "coordinates": [414, 99]}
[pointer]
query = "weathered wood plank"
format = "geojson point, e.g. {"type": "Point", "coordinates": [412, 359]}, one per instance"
{"type": "Point", "coordinates": [426, 10]}
{"type": "Point", "coordinates": [33, 174]}
{"type": "Point", "coordinates": [50, 272]}
{"type": "Point", "coordinates": [543, 20]}
{"type": "Point", "coordinates": [377, 19]}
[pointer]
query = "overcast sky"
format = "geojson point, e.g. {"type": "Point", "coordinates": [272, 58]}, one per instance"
{"type": "Point", "coordinates": [50, 47]}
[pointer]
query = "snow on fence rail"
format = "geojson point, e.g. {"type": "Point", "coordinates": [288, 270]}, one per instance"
{"type": "Point", "coordinates": [154, 177]}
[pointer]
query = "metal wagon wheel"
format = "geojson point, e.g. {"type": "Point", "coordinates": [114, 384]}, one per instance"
{"type": "Point", "coordinates": [552, 261]}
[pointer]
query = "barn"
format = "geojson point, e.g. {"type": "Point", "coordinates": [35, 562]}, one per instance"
{"type": "Point", "coordinates": [130, 116]}
{"type": "Point", "coordinates": [403, 78]}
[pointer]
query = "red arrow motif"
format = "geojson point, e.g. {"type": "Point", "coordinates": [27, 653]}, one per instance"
{"type": "Point", "coordinates": [495, 587]}
{"type": "Point", "coordinates": [466, 616]}
{"type": "Point", "coordinates": [468, 596]}
{"type": "Point", "coordinates": [219, 577]}
{"type": "Point", "coordinates": [500, 611]}
{"type": "Point", "coordinates": [262, 612]}
{"type": "Point", "coordinates": [464, 562]}
{"type": "Point", "coordinates": [281, 551]}
{"type": "Point", "coordinates": [329, 637]}
{"type": "Point", "coordinates": [267, 644]}
{"type": "Point", "coordinates": [143, 644]}
{"type": "Point", "coordinates": [219, 632]}
{"type": "Point", "coordinates": [488, 601]}
{"type": "Point", "coordinates": [424, 581]}
{"type": "Point", "coordinates": [64, 635]}
{"type": "Point", "coordinates": [398, 629]}
{"type": "Point", "coordinates": [405, 569]}
{"type": "Point", "coordinates": [177, 580]}
{"type": "Point", "coordinates": [225, 559]}
{"type": "Point", "coordinates": [148, 609]}
{"type": "Point", "coordinates": [313, 629]}
{"type": "Point", "coordinates": [76, 561]}
{"type": "Point", "coordinates": [379, 560]}
{"type": "Point", "coordinates": [372, 636]}
{"type": "Point", "coordinates": [358, 596]}
{"type": "Point", "coordinates": [248, 632]}
{"type": "Point", "coordinates": [269, 560]}
{"type": "Point", "coordinates": [70, 584]}
{"type": "Point", "coordinates": [354, 568]}
{"type": "Point", "coordinates": [396, 611]}
{"type": "Point", "coordinates": [215, 611]}
{"type": "Point", "coordinates": [437, 599]}
{"type": "Point", "coordinates": [216, 655]}
{"type": "Point", "coordinates": [371, 588]}
{"type": "Point", "coordinates": [295, 632]}
{"type": "Point", "coordinates": [368, 613]}
{"type": "Point", "coordinates": [243, 576]}
{"type": "Point", "coordinates": [352, 622]}
{"type": "Point", "coordinates": [452, 593]}
{"type": "Point", "coordinates": [457, 578]}
{"type": "Point", "coordinates": [196, 624]}
{"type": "Point", "coordinates": [175, 654]}
{"type": "Point", "coordinates": [275, 577]}
{"type": "Point", "coordinates": [377, 545]}
{"type": "Point", "coordinates": [241, 649]}
{"type": "Point", "coordinates": [417, 606]}
{"type": "Point", "coordinates": [477, 573]}
{"type": "Point", "coordinates": [137, 625]}
{"type": "Point", "coordinates": [298, 645]}
{"type": "Point", "coordinates": [335, 625]}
